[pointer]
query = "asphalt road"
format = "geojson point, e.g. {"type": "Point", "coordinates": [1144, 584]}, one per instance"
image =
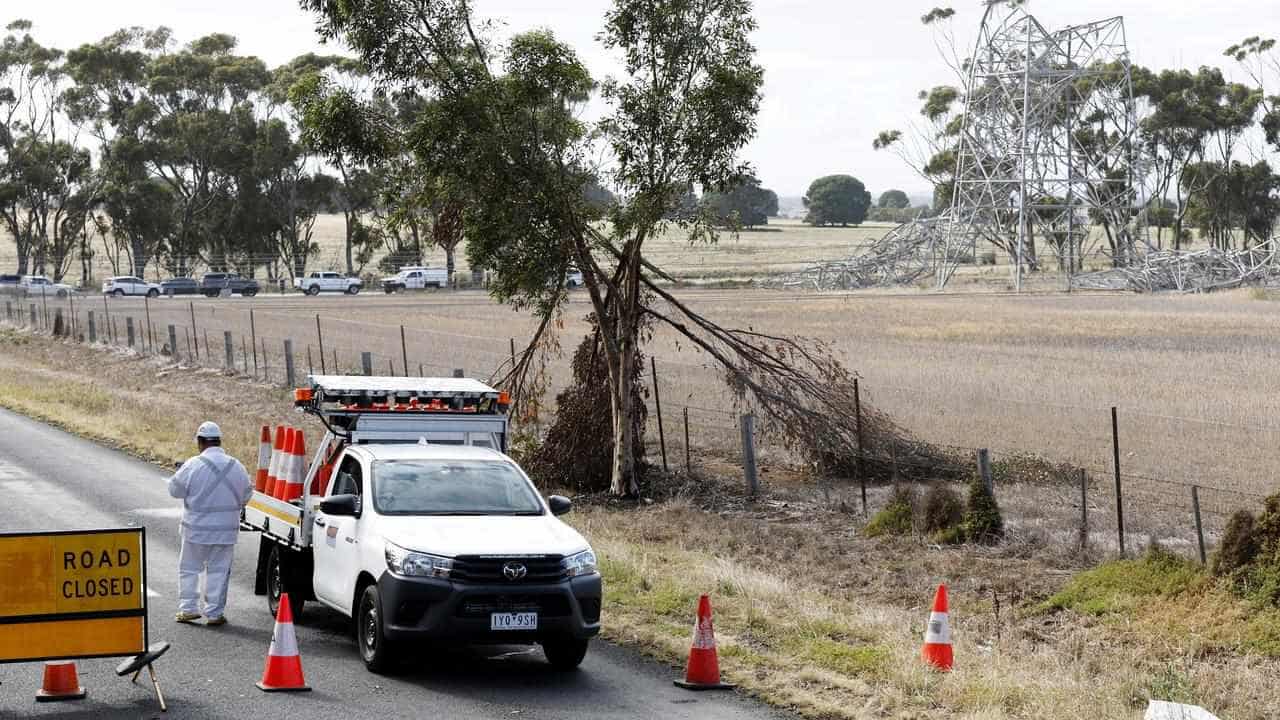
{"type": "Point", "coordinates": [50, 480]}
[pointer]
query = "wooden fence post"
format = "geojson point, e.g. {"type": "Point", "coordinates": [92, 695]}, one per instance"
{"type": "Point", "coordinates": [128, 326]}
{"type": "Point", "coordinates": [230, 349]}
{"type": "Point", "coordinates": [288, 363]}
{"type": "Point", "coordinates": [688, 457]}
{"type": "Point", "coordinates": [1084, 508]}
{"type": "Point", "coordinates": [173, 341]}
{"type": "Point", "coordinates": [186, 334]}
{"type": "Point", "coordinates": [657, 401]}
{"type": "Point", "coordinates": [253, 342]}
{"type": "Point", "coordinates": [404, 353]}
{"type": "Point", "coordinates": [984, 471]}
{"type": "Point", "coordinates": [151, 333]}
{"type": "Point", "coordinates": [244, 355]}
{"type": "Point", "coordinates": [93, 329]}
{"type": "Point", "coordinates": [266, 371]}
{"type": "Point", "coordinates": [366, 362]}
{"type": "Point", "coordinates": [1115, 448]}
{"type": "Point", "coordinates": [749, 453]}
{"type": "Point", "coordinates": [192, 307]}
{"type": "Point", "coordinates": [34, 320]}
{"type": "Point", "coordinates": [320, 339]}
{"type": "Point", "coordinates": [857, 424]}
{"type": "Point", "coordinates": [1195, 506]}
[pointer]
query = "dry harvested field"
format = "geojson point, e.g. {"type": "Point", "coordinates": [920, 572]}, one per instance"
{"type": "Point", "coordinates": [783, 246]}
{"type": "Point", "coordinates": [1193, 377]}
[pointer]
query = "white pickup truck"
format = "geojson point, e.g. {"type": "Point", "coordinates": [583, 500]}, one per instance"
{"type": "Point", "coordinates": [416, 278]}
{"type": "Point", "coordinates": [318, 282]}
{"type": "Point", "coordinates": [414, 523]}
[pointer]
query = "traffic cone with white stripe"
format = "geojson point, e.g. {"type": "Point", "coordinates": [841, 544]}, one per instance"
{"type": "Point", "coordinates": [937, 638]}
{"type": "Point", "coordinates": [703, 670]}
{"type": "Point", "coordinates": [293, 485]}
{"type": "Point", "coordinates": [264, 459]}
{"type": "Point", "coordinates": [283, 672]}
{"type": "Point", "coordinates": [273, 468]}
{"type": "Point", "coordinates": [286, 465]}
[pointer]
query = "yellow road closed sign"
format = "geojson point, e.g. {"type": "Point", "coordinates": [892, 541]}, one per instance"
{"type": "Point", "coordinates": [72, 594]}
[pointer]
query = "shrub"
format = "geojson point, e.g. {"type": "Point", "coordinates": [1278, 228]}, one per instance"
{"type": "Point", "coordinates": [982, 520]}
{"type": "Point", "coordinates": [943, 509]}
{"type": "Point", "coordinates": [1239, 545]}
{"type": "Point", "coordinates": [896, 518]}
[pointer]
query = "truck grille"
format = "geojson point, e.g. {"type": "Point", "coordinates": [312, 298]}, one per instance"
{"type": "Point", "coordinates": [479, 606]}
{"type": "Point", "coordinates": [489, 569]}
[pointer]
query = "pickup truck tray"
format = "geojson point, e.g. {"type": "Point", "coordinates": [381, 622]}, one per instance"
{"type": "Point", "coordinates": [277, 519]}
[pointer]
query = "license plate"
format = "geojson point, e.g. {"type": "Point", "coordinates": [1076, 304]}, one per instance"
{"type": "Point", "coordinates": [513, 621]}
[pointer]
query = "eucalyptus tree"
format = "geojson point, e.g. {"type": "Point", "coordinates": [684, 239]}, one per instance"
{"type": "Point", "coordinates": [501, 121]}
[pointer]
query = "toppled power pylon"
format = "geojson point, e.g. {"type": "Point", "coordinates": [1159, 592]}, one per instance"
{"type": "Point", "coordinates": [905, 255]}
{"type": "Point", "coordinates": [1044, 151]}
{"type": "Point", "coordinates": [1200, 271]}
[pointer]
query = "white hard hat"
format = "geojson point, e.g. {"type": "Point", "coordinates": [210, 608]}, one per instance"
{"type": "Point", "coordinates": [208, 430]}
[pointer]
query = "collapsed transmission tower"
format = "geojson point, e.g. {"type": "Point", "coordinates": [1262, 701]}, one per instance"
{"type": "Point", "coordinates": [1046, 147]}
{"type": "Point", "coordinates": [1044, 154]}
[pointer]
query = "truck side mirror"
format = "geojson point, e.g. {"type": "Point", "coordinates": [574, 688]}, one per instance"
{"type": "Point", "coordinates": [559, 504]}
{"type": "Point", "coordinates": [341, 506]}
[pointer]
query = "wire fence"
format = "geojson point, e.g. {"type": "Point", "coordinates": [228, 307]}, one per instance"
{"type": "Point", "coordinates": [1094, 479]}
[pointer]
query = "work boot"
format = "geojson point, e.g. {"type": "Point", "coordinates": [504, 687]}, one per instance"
{"type": "Point", "coordinates": [186, 617]}
{"type": "Point", "coordinates": [215, 622]}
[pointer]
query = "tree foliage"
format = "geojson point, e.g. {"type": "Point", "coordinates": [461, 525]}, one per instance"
{"type": "Point", "coordinates": [743, 204]}
{"type": "Point", "coordinates": [837, 200]}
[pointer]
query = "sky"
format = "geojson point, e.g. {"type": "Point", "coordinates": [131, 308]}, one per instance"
{"type": "Point", "coordinates": [837, 72]}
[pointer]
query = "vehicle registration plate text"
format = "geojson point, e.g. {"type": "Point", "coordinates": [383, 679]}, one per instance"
{"type": "Point", "coordinates": [513, 621]}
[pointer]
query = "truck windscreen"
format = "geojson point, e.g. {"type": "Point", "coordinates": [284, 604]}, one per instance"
{"type": "Point", "coordinates": [451, 487]}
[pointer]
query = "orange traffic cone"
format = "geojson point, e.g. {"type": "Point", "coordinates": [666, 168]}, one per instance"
{"type": "Point", "coordinates": [937, 639]}
{"type": "Point", "coordinates": [293, 487]}
{"type": "Point", "coordinates": [703, 671]}
{"type": "Point", "coordinates": [264, 459]}
{"type": "Point", "coordinates": [286, 465]}
{"type": "Point", "coordinates": [273, 468]}
{"type": "Point", "coordinates": [284, 666]}
{"type": "Point", "coordinates": [61, 682]}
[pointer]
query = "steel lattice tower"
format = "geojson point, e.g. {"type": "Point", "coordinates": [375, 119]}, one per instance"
{"type": "Point", "coordinates": [1045, 149]}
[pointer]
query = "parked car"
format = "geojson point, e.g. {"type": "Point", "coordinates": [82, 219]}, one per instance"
{"type": "Point", "coordinates": [318, 282]}
{"type": "Point", "coordinates": [129, 285]}
{"type": "Point", "coordinates": [41, 285]}
{"type": "Point", "coordinates": [180, 286]}
{"type": "Point", "coordinates": [212, 284]}
{"type": "Point", "coordinates": [10, 284]}
{"type": "Point", "coordinates": [573, 279]}
{"type": "Point", "coordinates": [414, 277]}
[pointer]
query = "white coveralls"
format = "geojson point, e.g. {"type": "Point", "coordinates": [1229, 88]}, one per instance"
{"type": "Point", "coordinates": [214, 487]}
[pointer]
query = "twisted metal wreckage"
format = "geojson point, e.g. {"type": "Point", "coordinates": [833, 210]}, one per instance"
{"type": "Point", "coordinates": [1046, 149]}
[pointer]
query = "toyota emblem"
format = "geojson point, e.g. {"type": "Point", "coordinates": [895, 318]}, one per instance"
{"type": "Point", "coordinates": [514, 571]}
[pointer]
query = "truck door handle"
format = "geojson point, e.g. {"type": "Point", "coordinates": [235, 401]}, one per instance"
{"type": "Point", "coordinates": [319, 522]}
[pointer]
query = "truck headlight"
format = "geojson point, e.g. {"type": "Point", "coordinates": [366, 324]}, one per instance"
{"type": "Point", "coordinates": [583, 563]}
{"type": "Point", "coordinates": [416, 564]}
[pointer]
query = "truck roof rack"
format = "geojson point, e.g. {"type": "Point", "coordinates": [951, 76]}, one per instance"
{"type": "Point", "coordinates": [358, 394]}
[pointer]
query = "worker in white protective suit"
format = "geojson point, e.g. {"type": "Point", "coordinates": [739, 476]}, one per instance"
{"type": "Point", "coordinates": [214, 487]}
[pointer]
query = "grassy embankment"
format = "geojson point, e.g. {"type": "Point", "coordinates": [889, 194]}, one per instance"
{"type": "Point", "coordinates": [810, 614]}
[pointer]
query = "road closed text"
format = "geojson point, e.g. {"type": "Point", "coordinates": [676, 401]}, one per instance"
{"type": "Point", "coordinates": [116, 585]}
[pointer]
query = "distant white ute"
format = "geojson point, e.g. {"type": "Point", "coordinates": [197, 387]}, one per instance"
{"type": "Point", "coordinates": [1160, 710]}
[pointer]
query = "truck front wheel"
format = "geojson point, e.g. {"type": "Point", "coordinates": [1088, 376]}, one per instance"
{"type": "Point", "coordinates": [374, 648]}
{"type": "Point", "coordinates": [279, 574]}
{"type": "Point", "coordinates": [564, 653]}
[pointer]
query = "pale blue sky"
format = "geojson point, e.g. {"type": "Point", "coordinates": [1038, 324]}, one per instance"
{"type": "Point", "coordinates": [836, 71]}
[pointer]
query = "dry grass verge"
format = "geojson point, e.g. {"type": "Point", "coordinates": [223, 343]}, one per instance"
{"type": "Point", "coordinates": [812, 615]}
